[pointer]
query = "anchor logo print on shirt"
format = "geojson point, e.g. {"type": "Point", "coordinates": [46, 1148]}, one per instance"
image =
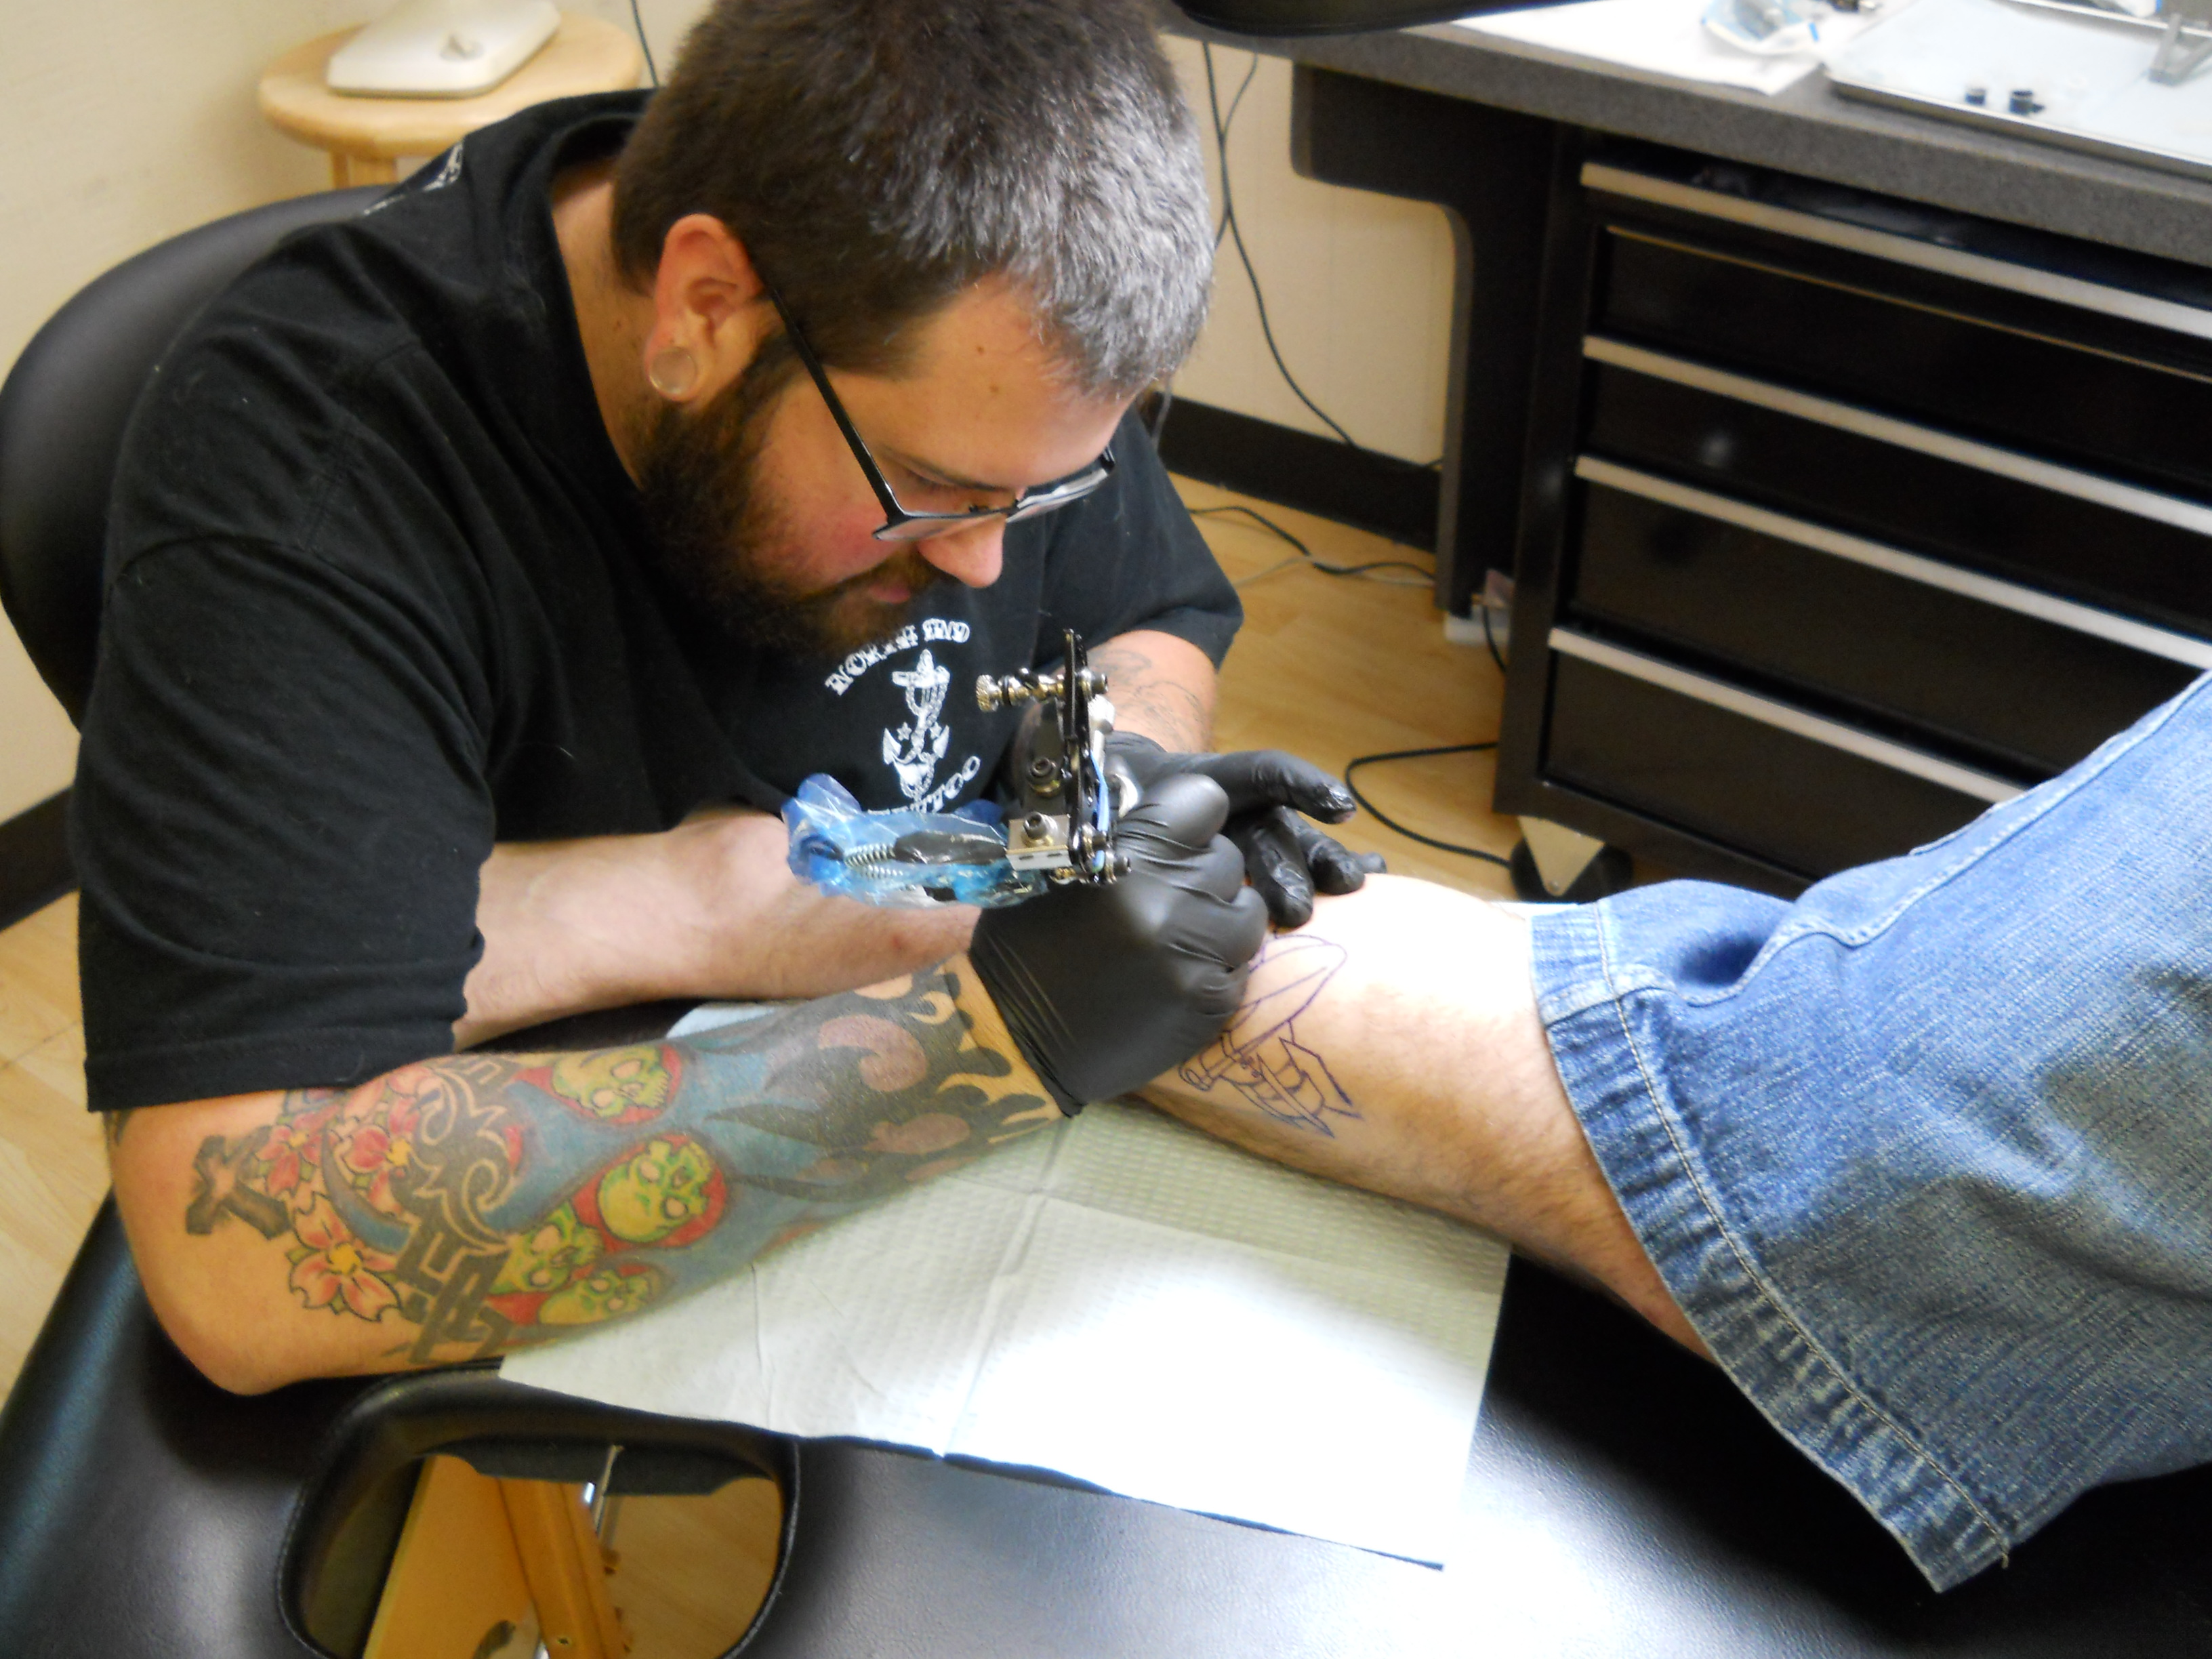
{"type": "Point", "coordinates": [914, 751]}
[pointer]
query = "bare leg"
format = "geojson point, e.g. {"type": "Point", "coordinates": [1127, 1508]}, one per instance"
{"type": "Point", "coordinates": [1393, 1043]}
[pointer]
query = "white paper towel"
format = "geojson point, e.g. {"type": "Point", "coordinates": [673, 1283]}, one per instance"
{"type": "Point", "coordinates": [1122, 1300]}
{"type": "Point", "coordinates": [1668, 37]}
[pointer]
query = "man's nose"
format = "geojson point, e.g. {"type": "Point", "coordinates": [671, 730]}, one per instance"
{"type": "Point", "coordinates": [975, 555]}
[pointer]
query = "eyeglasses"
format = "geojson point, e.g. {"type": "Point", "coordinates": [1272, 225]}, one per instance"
{"type": "Point", "coordinates": [899, 524]}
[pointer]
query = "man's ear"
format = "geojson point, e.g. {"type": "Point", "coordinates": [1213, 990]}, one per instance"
{"type": "Point", "coordinates": [710, 310]}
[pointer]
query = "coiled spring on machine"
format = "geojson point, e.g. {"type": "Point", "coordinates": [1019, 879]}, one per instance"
{"type": "Point", "coordinates": [928, 847]}
{"type": "Point", "coordinates": [871, 858]}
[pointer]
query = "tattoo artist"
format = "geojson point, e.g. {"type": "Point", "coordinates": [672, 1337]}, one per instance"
{"type": "Point", "coordinates": [488, 569]}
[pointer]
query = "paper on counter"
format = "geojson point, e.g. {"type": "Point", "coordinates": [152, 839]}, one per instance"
{"type": "Point", "coordinates": [1122, 1300]}
{"type": "Point", "coordinates": [2087, 74]}
{"type": "Point", "coordinates": [1668, 37]}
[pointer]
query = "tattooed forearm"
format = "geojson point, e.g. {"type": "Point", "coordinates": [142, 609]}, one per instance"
{"type": "Point", "coordinates": [486, 1199]}
{"type": "Point", "coordinates": [1258, 1060]}
{"type": "Point", "coordinates": [1169, 702]}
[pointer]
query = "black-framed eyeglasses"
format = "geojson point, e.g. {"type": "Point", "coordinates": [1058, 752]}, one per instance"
{"type": "Point", "coordinates": [900, 525]}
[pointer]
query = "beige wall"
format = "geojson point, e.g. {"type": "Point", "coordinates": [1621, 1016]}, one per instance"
{"type": "Point", "coordinates": [1359, 286]}
{"type": "Point", "coordinates": [125, 121]}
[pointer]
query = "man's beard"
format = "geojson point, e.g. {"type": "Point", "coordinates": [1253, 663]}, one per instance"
{"type": "Point", "coordinates": [717, 539]}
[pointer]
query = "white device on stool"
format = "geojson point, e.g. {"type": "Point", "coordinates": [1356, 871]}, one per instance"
{"type": "Point", "coordinates": [443, 48]}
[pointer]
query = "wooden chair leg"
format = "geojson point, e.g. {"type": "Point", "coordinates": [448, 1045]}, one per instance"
{"type": "Point", "coordinates": [566, 1569]}
{"type": "Point", "coordinates": [457, 1582]}
{"type": "Point", "coordinates": [347, 170]}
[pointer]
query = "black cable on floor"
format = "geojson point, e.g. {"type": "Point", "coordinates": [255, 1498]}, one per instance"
{"type": "Point", "coordinates": [1326, 569]}
{"type": "Point", "coordinates": [1352, 766]}
{"type": "Point", "coordinates": [645, 45]}
{"type": "Point", "coordinates": [1164, 398]}
{"type": "Point", "coordinates": [1252, 276]}
{"type": "Point", "coordinates": [1221, 138]}
{"type": "Point", "coordinates": [1491, 640]}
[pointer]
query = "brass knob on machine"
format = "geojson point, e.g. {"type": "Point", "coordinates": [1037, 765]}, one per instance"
{"type": "Point", "coordinates": [1007, 691]}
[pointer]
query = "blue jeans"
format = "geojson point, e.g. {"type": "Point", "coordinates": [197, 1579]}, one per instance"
{"type": "Point", "coordinates": [1926, 1156]}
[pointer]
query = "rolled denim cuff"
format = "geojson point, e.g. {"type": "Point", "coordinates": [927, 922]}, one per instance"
{"type": "Point", "coordinates": [1607, 1037]}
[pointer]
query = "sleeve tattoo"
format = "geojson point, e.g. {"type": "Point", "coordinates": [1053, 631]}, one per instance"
{"type": "Point", "coordinates": [488, 1200]}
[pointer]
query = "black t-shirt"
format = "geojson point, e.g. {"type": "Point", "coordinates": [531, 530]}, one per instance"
{"type": "Point", "coordinates": [373, 604]}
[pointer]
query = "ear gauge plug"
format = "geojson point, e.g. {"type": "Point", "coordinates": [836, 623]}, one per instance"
{"type": "Point", "coordinates": [673, 372]}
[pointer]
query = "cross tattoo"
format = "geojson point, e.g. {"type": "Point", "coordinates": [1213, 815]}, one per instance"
{"type": "Point", "coordinates": [218, 1171]}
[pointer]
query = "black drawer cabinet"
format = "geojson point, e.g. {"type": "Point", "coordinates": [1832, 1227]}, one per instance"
{"type": "Point", "coordinates": [1913, 486]}
{"type": "Point", "coordinates": [1927, 358]}
{"type": "Point", "coordinates": [1754, 774]}
{"type": "Point", "coordinates": [2024, 683]}
{"type": "Point", "coordinates": [1844, 519]}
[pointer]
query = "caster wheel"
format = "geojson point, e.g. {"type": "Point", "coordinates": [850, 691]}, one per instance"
{"type": "Point", "coordinates": [1609, 872]}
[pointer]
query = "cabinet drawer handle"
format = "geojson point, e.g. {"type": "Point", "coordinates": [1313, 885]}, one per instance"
{"type": "Point", "coordinates": [1768, 712]}
{"type": "Point", "coordinates": [2028, 602]}
{"type": "Point", "coordinates": [1943, 445]}
{"type": "Point", "coordinates": [1904, 251]}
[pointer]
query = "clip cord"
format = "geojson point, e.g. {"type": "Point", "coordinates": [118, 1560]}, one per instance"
{"type": "Point", "coordinates": [1084, 843]}
{"type": "Point", "coordinates": [1091, 803]}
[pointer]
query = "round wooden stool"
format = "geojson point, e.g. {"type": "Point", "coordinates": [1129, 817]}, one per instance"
{"type": "Point", "coordinates": [366, 136]}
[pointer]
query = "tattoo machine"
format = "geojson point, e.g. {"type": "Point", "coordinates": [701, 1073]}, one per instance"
{"type": "Point", "coordinates": [1066, 807]}
{"type": "Point", "coordinates": [1060, 829]}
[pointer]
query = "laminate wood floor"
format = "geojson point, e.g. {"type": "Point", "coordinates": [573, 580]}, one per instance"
{"type": "Point", "coordinates": [1329, 667]}
{"type": "Point", "coordinates": [1333, 667]}
{"type": "Point", "coordinates": [52, 1169]}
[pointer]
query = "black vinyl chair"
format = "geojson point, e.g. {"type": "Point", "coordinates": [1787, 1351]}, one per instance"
{"type": "Point", "coordinates": [125, 1476]}
{"type": "Point", "coordinates": [65, 405]}
{"type": "Point", "coordinates": [1623, 1502]}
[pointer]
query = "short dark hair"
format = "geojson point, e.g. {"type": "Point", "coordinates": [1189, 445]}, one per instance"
{"type": "Point", "coordinates": [877, 157]}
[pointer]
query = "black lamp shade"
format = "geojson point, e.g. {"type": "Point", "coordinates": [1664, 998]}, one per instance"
{"type": "Point", "coordinates": [1336, 16]}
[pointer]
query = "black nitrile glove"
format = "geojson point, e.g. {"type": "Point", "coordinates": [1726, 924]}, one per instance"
{"type": "Point", "coordinates": [1104, 987]}
{"type": "Point", "coordinates": [1285, 857]}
